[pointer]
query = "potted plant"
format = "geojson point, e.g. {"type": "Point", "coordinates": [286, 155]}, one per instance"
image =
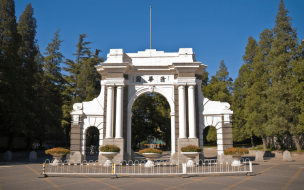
{"type": "Point", "coordinates": [57, 153]}
{"type": "Point", "coordinates": [150, 154]}
{"type": "Point", "coordinates": [191, 151]}
{"type": "Point", "coordinates": [109, 151]}
{"type": "Point", "coordinates": [236, 154]}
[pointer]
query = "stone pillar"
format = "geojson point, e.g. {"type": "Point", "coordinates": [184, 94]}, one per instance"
{"type": "Point", "coordinates": [119, 112]}
{"type": "Point", "coordinates": [76, 154]}
{"type": "Point", "coordinates": [191, 110]}
{"type": "Point", "coordinates": [172, 114]}
{"type": "Point", "coordinates": [110, 103]}
{"type": "Point", "coordinates": [129, 135]}
{"type": "Point", "coordinates": [182, 112]}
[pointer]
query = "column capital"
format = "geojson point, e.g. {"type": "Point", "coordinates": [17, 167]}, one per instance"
{"type": "Point", "coordinates": [191, 84]}
{"type": "Point", "coordinates": [181, 86]}
{"type": "Point", "coordinates": [120, 86]}
{"type": "Point", "coordinates": [191, 87]}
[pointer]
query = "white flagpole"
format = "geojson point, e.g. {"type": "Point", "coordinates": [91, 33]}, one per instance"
{"type": "Point", "coordinates": [150, 27]}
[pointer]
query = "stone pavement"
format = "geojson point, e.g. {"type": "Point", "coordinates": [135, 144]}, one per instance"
{"type": "Point", "coordinates": [270, 174]}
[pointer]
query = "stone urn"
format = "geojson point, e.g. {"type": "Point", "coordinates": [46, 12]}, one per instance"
{"type": "Point", "coordinates": [236, 160]}
{"type": "Point", "coordinates": [109, 157]}
{"type": "Point", "coordinates": [150, 157]}
{"type": "Point", "coordinates": [190, 158]}
{"type": "Point", "coordinates": [57, 158]}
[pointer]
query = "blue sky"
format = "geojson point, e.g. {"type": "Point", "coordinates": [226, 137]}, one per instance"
{"type": "Point", "coordinates": [216, 30]}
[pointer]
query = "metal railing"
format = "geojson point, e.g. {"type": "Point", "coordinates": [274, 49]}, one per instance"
{"type": "Point", "coordinates": [136, 167]}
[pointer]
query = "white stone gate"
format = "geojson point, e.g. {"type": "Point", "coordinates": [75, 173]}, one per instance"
{"type": "Point", "coordinates": [125, 76]}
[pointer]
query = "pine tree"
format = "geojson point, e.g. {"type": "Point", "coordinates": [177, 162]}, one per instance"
{"type": "Point", "coordinates": [255, 110]}
{"type": "Point", "coordinates": [298, 85]}
{"type": "Point", "coordinates": [281, 97]}
{"type": "Point", "coordinates": [27, 53]}
{"type": "Point", "coordinates": [241, 129]}
{"type": "Point", "coordinates": [52, 82]}
{"type": "Point", "coordinates": [11, 96]}
{"type": "Point", "coordinates": [220, 86]}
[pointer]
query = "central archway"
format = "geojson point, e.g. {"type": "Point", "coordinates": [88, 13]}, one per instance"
{"type": "Point", "coordinates": [151, 122]}
{"type": "Point", "coordinates": [139, 92]}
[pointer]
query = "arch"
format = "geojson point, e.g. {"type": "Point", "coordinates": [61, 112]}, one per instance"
{"type": "Point", "coordinates": [85, 130]}
{"type": "Point", "coordinates": [139, 92]}
{"type": "Point", "coordinates": [150, 89]}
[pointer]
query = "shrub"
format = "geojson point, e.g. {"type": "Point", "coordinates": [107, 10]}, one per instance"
{"type": "Point", "coordinates": [150, 150]}
{"type": "Point", "coordinates": [191, 148]}
{"type": "Point", "coordinates": [57, 150]}
{"type": "Point", "coordinates": [109, 148]}
{"type": "Point", "coordinates": [238, 150]}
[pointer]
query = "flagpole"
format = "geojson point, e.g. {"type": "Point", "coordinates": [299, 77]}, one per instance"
{"type": "Point", "coordinates": [150, 27]}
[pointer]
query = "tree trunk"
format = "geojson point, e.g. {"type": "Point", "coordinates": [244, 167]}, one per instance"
{"type": "Point", "coordinates": [297, 141]}
{"type": "Point", "coordinates": [264, 143]}
{"type": "Point", "coordinates": [252, 144]}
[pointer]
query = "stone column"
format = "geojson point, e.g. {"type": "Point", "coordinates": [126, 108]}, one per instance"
{"type": "Point", "coordinates": [119, 112]}
{"type": "Point", "coordinates": [110, 103]}
{"type": "Point", "coordinates": [172, 114]}
{"type": "Point", "coordinates": [191, 110]}
{"type": "Point", "coordinates": [182, 112]}
{"type": "Point", "coordinates": [129, 134]}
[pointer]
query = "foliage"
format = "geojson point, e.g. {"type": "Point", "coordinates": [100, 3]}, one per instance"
{"type": "Point", "coordinates": [151, 118]}
{"type": "Point", "coordinates": [220, 86]}
{"type": "Point", "coordinates": [212, 134]}
{"type": "Point", "coordinates": [109, 148]}
{"type": "Point", "coordinates": [57, 150]}
{"type": "Point", "coordinates": [191, 148]}
{"type": "Point", "coordinates": [150, 150]}
{"type": "Point", "coordinates": [232, 151]}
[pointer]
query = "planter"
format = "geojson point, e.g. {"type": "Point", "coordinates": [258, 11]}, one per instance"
{"type": "Point", "coordinates": [190, 158]}
{"type": "Point", "coordinates": [150, 157]}
{"type": "Point", "coordinates": [57, 158]}
{"type": "Point", "coordinates": [236, 160]}
{"type": "Point", "coordinates": [109, 156]}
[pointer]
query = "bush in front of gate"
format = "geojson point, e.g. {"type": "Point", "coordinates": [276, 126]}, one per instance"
{"type": "Point", "coordinates": [150, 150]}
{"type": "Point", "coordinates": [238, 150]}
{"type": "Point", "coordinates": [191, 148]}
{"type": "Point", "coordinates": [109, 148]}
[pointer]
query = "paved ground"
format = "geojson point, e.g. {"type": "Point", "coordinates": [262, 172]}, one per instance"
{"type": "Point", "coordinates": [271, 174]}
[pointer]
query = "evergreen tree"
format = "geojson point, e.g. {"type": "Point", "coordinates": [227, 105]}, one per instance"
{"type": "Point", "coordinates": [11, 97]}
{"type": "Point", "coordinates": [281, 97]}
{"type": "Point", "coordinates": [220, 86]}
{"type": "Point", "coordinates": [52, 83]}
{"type": "Point", "coordinates": [241, 129]}
{"type": "Point", "coordinates": [27, 53]}
{"type": "Point", "coordinates": [250, 54]}
{"type": "Point", "coordinates": [298, 85]}
{"type": "Point", "coordinates": [255, 110]}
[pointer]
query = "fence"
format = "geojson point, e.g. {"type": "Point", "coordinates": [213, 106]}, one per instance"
{"type": "Point", "coordinates": [139, 168]}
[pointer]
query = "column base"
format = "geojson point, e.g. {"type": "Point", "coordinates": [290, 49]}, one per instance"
{"type": "Point", "coordinates": [178, 156]}
{"type": "Point", "coordinates": [111, 141]}
{"type": "Point", "coordinates": [75, 157]}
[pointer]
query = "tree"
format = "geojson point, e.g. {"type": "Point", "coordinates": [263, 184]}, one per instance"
{"type": "Point", "coordinates": [298, 83]}
{"type": "Point", "coordinates": [220, 86]}
{"type": "Point", "coordinates": [52, 83]}
{"type": "Point", "coordinates": [151, 118]}
{"type": "Point", "coordinates": [83, 81]}
{"type": "Point", "coordinates": [255, 110]}
{"type": "Point", "coordinates": [240, 91]}
{"type": "Point", "coordinates": [27, 53]}
{"type": "Point", "coordinates": [281, 97]}
{"type": "Point", "coordinates": [11, 97]}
